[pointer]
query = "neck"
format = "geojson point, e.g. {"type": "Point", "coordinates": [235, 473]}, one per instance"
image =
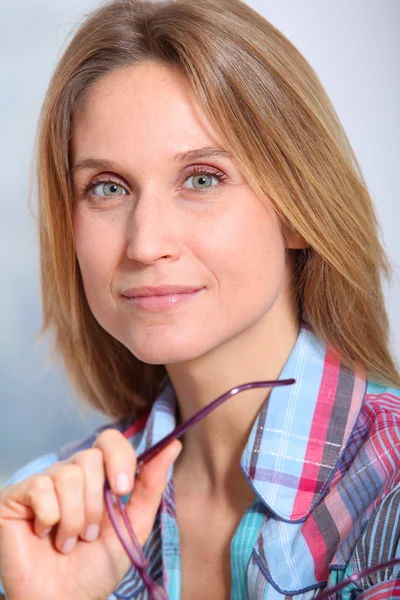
{"type": "Point", "coordinates": [211, 452]}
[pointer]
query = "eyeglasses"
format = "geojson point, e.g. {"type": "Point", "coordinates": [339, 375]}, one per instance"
{"type": "Point", "coordinates": [135, 552]}
{"type": "Point", "coordinates": [355, 577]}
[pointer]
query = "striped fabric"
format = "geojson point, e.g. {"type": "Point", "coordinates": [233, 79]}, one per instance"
{"type": "Point", "coordinates": [242, 546]}
{"type": "Point", "coordinates": [323, 458]}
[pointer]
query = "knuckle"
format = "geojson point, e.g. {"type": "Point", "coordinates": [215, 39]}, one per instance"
{"type": "Point", "coordinates": [40, 484]}
{"type": "Point", "coordinates": [70, 475]}
{"type": "Point", "coordinates": [47, 515]}
{"type": "Point", "coordinates": [95, 454]}
{"type": "Point", "coordinates": [106, 437]}
{"type": "Point", "coordinates": [90, 459]}
{"type": "Point", "coordinates": [110, 439]}
{"type": "Point", "coordinates": [41, 497]}
{"type": "Point", "coordinates": [117, 449]}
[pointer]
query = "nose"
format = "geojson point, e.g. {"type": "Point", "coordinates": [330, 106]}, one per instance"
{"type": "Point", "coordinates": [152, 229]}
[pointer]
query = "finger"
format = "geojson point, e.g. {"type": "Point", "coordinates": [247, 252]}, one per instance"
{"type": "Point", "coordinates": [149, 487]}
{"type": "Point", "coordinates": [46, 505]}
{"type": "Point", "coordinates": [33, 498]}
{"type": "Point", "coordinates": [91, 462]}
{"type": "Point", "coordinates": [119, 460]}
{"type": "Point", "coordinates": [69, 485]}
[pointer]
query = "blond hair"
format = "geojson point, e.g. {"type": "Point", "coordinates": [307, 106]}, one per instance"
{"type": "Point", "coordinates": [269, 107]}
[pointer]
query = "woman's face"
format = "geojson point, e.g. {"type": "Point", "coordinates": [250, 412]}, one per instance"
{"type": "Point", "coordinates": [153, 219]}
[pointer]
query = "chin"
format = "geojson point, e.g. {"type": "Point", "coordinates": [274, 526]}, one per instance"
{"type": "Point", "coordinates": [164, 354]}
{"type": "Point", "coordinates": [162, 358]}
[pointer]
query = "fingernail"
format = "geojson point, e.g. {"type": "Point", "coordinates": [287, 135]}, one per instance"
{"type": "Point", "coordinates": [92, 533]}
{"type": "Point", "coordinates": [69, 545]}
{"type": "Point", "coordinates": [122, 483]}
{"type": "Point", "coordinates": [45, 532]}
{"type": "Point", "coordinates": [177, 453]}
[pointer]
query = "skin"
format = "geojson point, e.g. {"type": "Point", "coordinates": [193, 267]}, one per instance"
{"type": "Point", "coordinates": [159, 229]}
{"type": "Point", "coordinates": [68, 497]}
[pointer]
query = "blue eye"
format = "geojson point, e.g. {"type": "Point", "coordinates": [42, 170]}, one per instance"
{"type": "Point", "coordinates": [202, 175]}
{"type": "Point", "coordinates": [110, 188]}
{"type": "Point", "coordinates": [202, 180]}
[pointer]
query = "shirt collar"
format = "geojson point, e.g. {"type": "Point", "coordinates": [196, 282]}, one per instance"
{"type": "Point", "coordinates": [300, 433]}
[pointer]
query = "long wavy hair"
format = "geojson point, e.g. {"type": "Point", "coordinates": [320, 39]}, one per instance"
{"type": "Point", "coordinates": [269, 107]}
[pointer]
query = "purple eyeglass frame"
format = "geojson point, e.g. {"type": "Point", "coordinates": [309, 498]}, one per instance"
{"type": "Point", "coordinates": [135, 553]}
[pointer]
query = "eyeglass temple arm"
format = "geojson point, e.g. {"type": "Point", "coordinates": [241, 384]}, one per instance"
{"type": "Point", "coordinates": [135, 553]}
{"type": "Point", "coordinates": [355, 577]}
{"type": "Point", "coordinates": [183, 427]}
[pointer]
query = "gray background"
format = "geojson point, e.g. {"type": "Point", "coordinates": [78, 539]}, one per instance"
{"type": "Point", "coordinates": [354, 47]}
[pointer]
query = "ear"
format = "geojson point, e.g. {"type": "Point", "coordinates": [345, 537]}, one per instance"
{"type": "Point", "coordinates": [293, 240]}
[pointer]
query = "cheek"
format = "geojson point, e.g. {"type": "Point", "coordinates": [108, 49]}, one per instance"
{"type": "Point", "coordinates": [246, 252]}
{"type": "Point", "coordinates": [97, 245]}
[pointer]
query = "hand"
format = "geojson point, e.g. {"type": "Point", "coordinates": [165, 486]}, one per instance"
{"type": "Point", "coordinates": [68, 497]}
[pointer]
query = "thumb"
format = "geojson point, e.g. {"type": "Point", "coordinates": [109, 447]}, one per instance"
{"type": "Point", "coordinates": [148, 489]}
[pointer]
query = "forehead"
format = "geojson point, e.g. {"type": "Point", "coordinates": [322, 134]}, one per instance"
{"type": "Point", "coordinates": [145, 109]}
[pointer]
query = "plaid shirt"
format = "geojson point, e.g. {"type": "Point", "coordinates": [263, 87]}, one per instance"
{"type": "Point", "coordinates": [323, 458]}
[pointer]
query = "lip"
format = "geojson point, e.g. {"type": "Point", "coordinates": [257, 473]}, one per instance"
{"type": "Point", "coordinates": [161, 290]}
{"type": "Point", "coordinates": [161, 302]}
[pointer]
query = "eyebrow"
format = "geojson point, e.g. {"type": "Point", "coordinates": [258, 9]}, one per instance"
{"type": "Point", "coordinates": [181, 157]}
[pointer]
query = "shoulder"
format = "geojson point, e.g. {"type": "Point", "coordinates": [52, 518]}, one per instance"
{"type": "Point", "coordinates": [381, 416]}
{"type": "Point", "coordinates": [375, 441]}
{"type": "Point", "coordinates": [132, 429]}
{"type": "Point", "coordinates": [382, 399]}
{"type": "Point", "coordinates": [374, 476]}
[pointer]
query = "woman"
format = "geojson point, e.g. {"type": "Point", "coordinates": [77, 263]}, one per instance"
{"type": "Point", "coordinates": [189, 147]}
